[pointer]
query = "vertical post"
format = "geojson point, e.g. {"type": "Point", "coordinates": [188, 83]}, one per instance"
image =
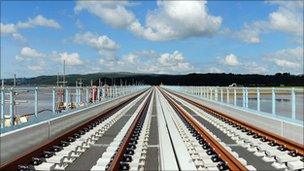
{"type": "Point", "coordinates": [204, 90]}
{"type": "Point", "coordinates": [211, 93]}
{"type": "Point", "coordinates": [234, 94]}
{"type": "Point", "coordinates": [110, 91]}
{"type": "Point", "coordinates": [77, 96]}
{"type": "Point", "coordinates": [228, 95]}
{"type": "Point", "coordinates": [79, 91]}
{"type": "Point", "coordinates": [87, 95]}
{"type": "Point", "coordinates": [2, 106]}
{"type": "Point", "coordinates": [243, 96]}
{"type": "Point", "coordinates": [103, 92]}
{"type": "Point", "coordinates": [273, 101]}
{"type": "Point", "coordinates": [216, 93]}
{"type": "Point", "coordinates": [54, 100]}
{"type": "Point", "coordinates": [67, 97]}
{"type": "Point", "coordinates": [98, 93]}
{"type": "Point", "coordinates": [222, 98]}
{"type": "Point", "coordinates": [115, 88]}
{"type": "Point", "coordinates": [258, 99]}
{"type": "Point", "coordinates": [36, 101]}
{"type": "Point", "coordinates": [12, 104]}
{"type": "Point", "coordinates": [246, 104]}
{"type": "Point", "coordinates": [293, 103]}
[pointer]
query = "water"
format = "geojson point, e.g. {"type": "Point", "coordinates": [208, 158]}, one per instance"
{"type": "Point", "coordinates": [282, 105]}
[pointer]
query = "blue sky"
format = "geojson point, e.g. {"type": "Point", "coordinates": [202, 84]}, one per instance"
{"type": "Point", "coordinates": [173, 37]}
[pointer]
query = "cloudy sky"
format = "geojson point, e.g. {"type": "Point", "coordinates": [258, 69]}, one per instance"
{"type": "Point", "coordinates": [174, 37]}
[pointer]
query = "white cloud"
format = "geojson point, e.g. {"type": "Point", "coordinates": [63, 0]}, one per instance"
{"type": "Point", "coordinates": [39, 20]}
{"type": "Point", "coordinates": [8, 28]}
{"type": "Point", "coordinates": [131, 58]}
{"type": "Point", "coordinates": [231, 60]}
{"type": "Point", "coordinates": [287, 18]}
{"type": "Point", "coordinates": [285, 63]}
{"type": "Point", "coordinates": [254, 68]}
{"type": "Point", "coordinates": [214, 69]}
{"type": "Point", "coordinates": [70, 59]}
{"type": "Point", "coordinates": [111, 12]}
{"type": "Point", "coordinates": [99, 42]}
{"type": "Point", "coordinates": [38, 66]}
{"type": "Point", "coordinates": [79, 24]}
{"type": "Point", "coordinates": [30, 53]}
{"type": "Point", "coordinates": [288, 60]}
{"type": "Point", "coordinates": [233, 64]}
{"type": "Point", "coordinates": [32, 59]}
{"type": "Point", "coordinates": [35, 67]}
{"type": "Point", "coordinates": [171, 20]}
{"type": "Point", "coordinates": [19, 37]}
{"type": "Point", "coordinates": [153, 62]}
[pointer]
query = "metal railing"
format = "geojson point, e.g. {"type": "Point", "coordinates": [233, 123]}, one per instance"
{"type": "Point", "coordinates": [19, 104]}
{"type": "Point", "coordinates": [286, 102]}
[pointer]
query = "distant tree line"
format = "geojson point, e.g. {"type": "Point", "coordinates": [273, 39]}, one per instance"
{"type": "Point", "coordinates": [210, 79]}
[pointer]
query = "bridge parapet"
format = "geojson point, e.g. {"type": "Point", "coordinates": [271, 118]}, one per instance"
{"type": "Point", "coordinates": [27, 105]}
{"type": "Point", "coordinates": [278, 102]}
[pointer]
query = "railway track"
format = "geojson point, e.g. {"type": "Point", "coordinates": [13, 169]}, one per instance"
{"type": "Point", "coordinates": [162, 130]}
{"type": "Point", "coordinates": [262, 149]}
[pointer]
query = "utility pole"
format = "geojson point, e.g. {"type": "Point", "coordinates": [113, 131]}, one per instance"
{"type": "Point", "coordinates": [80, 82]}
{"type": "Point", "coordinates": [2, 79]}
{"type": "Point", "coordinates": [63, 76]}
{"type": "Point", "coordinates": [57, 79]}
{"type": "Point", "coordinates": [14, 80]}
{"type": "Point", "coordinates": [63, 82]}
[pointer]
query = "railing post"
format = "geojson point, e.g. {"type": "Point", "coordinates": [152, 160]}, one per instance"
{"type": "Point", "coordinates": [243, 96]}
{"type": "Point", "coordinates": [2, 106]}
{"type": "Point", "coordinates": [104, 92]}
{"type": "Point", "coordinates": [258, 99]}
{"type": "Point", "coordinates": [293, 103]}
{"type": "Point", "coordinates": [216, 93]}
{"type": "Point", "coordinates": [273, 101]}
{"type": "Point", "coordinates": [211, 93]}
{"type": "Point", "coordinates": [98, 93]}
{"type": "Point", "coordinates": [228, 95]}
{"type": "Point", "coordinates": [12, 105]}
{"type": "Point", "coordinates": [204, 89]}
{"type": "Point", "coordinates": [234, 94]}
{"type": "Point", "coordinates": [76, 96]}
{"type": "Point", "coordinates": [54, 100]}
{"type": "Point", "coordinates": [67, 97]}
{"type": "Point", "coordinates": [87, 95]}
{"type": "Point", "coordinates": [222, 97]}
{"type": "Point", "coordinates": [115, 88]}
{"type": "Point", "coordinates": [36, 101]}
{"type": "Point", "coordinates": [246, 104]}
{"type": "Point", "coordinates": [80, 97]}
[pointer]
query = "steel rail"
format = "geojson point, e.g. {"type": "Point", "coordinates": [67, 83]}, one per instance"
{"type": "Point", "coordinates": [223, 153]}
{"type": "Point", "coordinates": [287, 143]}
{"type": "Point", "coordinates": [115, 164]}
{"type": "Point", "coordinates": [26, 157]}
